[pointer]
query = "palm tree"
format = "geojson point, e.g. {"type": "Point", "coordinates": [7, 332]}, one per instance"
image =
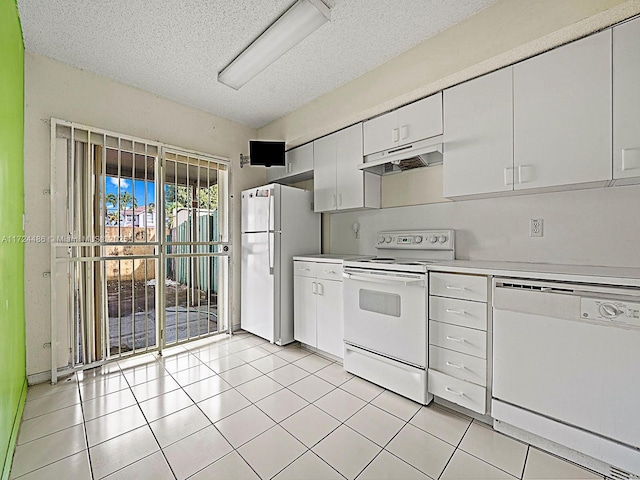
{"type": "Point", "coordinates": [126, 200]}
{"type": "Point", "coordinates": [112, 217]}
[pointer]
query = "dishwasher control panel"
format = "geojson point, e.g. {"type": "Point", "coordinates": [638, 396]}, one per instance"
{"type": "Point", "coordinates": [614, 311]}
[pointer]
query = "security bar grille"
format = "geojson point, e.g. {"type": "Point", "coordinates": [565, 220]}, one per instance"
{"type": "Point", "coordinates": [139, 246]}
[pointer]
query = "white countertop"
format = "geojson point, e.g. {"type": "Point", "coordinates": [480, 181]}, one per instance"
{"type": "Point", "coordinates": [571, 273]}
{"type": "Point", "coordinates": [328, 257]}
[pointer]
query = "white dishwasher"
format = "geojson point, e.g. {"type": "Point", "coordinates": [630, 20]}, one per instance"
{"type": "Point", "coordinates": [566, 367]}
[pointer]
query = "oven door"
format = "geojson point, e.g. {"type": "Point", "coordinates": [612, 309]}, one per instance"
{"type": "Point", "coordinates": [386, 312]}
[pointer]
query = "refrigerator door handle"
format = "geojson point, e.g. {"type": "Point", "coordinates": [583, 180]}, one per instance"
{"type": "Point", "coordinates": [269, 234]}
{"type": "Point", "coordinates": [270, 246]}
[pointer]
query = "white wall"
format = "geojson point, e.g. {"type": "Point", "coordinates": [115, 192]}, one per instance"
{"type": "Point", "coordinates": [583, 227]}
{"type": "Point", "coordinates": [53, 89]}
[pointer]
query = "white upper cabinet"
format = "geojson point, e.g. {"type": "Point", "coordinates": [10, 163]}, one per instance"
{"type": "Point", "coordinates": [338, 183]}
{"type": "Point", "coordinates": [562, 116]}
{"type": "Point", "coordinates": [324, 174]}
{"type": "Point", "coordinates": [478, 136]}
{"type": "Point", "coordinates": [299, 160]}
{"type": "Point", "coordinates": [350, 184]}
{"type": "Point", "coordinates": [626, 102]}
{"type": "Point", "coordinates": [417, 121]}
{"type": "Point", "coordinates": [298, 165]}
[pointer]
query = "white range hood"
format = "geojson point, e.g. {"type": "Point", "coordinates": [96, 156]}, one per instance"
{"type": "Point", "coordinates": [398, 159]}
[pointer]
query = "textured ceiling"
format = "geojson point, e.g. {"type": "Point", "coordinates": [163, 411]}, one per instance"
{"type": "Point", "coordinates": [174, 48]}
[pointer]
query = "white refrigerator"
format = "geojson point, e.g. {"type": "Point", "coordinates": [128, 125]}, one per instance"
{"type": "Point", "coordinates": [278, 223]}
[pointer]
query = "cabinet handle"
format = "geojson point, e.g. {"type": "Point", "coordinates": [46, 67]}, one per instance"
{"type": "Point", "coordinates": [404, 131]}
{"type": "Point", "coordinates": [457, 312]}
{"type": "Point", "coordinates": [630, 159]}
{"type": "Point", "coordinates": [459, 289]}
{"type": "Point", "coordinates": [459, 367]}
{"type": "Point", "coordinates": [320, 289]}
{"type": "Point", "coordinates": [508, 178]}
{"type": "Point", "coordinates": [456, 339]}
{"type": "Point", "coordinates": [333, 201]}
{"type": "Point", "coordinates": [520, 167]}
{"type": "Point", "coordinates": [395, 135]}
{"type": "Point", "coordinates": [303, 269]}
{"type": "Point", "coordinates": [314, 288]}
{"type": "Point", "coordinates": [339, 199]}
{"type": "Point", "coordinates": [460, 394]}
{"type": "Point", "coordinates": [331, 272]}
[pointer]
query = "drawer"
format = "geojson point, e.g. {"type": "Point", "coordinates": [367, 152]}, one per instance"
{"type": "Point", "coordinates": [460, 339]}
{"type": "Point", "coordinates": [457, 391]}
{"type": "Point", "coordinates": [329, 271]}
{"type": "Point", "coordinates": [458, 365]}
{"type": "Point", "coordinates": [466, 287]}
{"type": "Point", "coordinates": [305, 269]}
{"type": "Point", "coordinates": [458, 312]}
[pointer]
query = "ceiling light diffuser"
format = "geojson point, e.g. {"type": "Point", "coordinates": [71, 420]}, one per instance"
{"type": "Point", "coordinates": [302, 19]}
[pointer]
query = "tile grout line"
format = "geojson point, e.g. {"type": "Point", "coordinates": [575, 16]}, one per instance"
{"type": "Point", "coordinates": [384, 447]}
{"type": "Point", "coordinates": [455, 449]}
{"type": "Point", "coordinates": [486, 461]}
{"type": "Point", "coordinates": [524, 465]}
{"type": "Point", "coordinates": [152, 433]}
{"type": "Point", "coordinates": [84, 429]}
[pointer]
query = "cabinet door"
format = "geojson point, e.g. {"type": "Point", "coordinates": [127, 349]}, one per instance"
{"type": "Point", "coordinates": [562, 115]}
{"type": "Point", "coordinates": [330, 323]}
{"type": "Point", "coordinates": [420, 120]}
{"type": "Point", "coordinates": [478, 136]}
{"type": "Point", "coordinates": [626, 100]}
{"type": "Point", "coordinates": [349, 179]}
{"type": "Point", "coordinates": [304, 309]}
{"type": "Point", "coordinates": [381, 133]}
{"type": "Point", "coordinates": [276, 173]}
{"type": "Point", "coordinates": [324, 174]}
{"type": "Point", "coordinates": [300, 160]}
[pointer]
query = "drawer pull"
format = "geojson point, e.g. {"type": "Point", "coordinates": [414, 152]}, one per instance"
{"type": "Point", "coordinates": [332, 272]}
{"type": "Point", "coordinates": [457, 312]}
{"type": "Point", "coordinates": [459, 394]}
{"type": "Point", "coordinates": [304, 269]}
{"type": "Point", "coordinates": [456, 339]}
{"type": "Point", "coordinates": [459, 289]}
{"type": "Point", "coordinates": [459, 367]}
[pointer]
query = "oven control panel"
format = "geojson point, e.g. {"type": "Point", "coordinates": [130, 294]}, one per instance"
{"type": "Point", "coordinates": [417, 240]}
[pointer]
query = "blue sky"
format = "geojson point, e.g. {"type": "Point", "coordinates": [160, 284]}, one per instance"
{"type": "Point", "coordinates": [127, 185]}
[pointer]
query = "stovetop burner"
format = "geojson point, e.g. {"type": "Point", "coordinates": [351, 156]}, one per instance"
{"type": "Point", "coordinates": [380, 260]}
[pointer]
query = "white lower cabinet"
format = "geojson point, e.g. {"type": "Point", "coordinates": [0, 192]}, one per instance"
{"type": "Point", "coordinates": [458, 341]}
{"type": "Point", "coordinates": [318, 319]}
{"type": "Point", "coordinates": [329, 323]}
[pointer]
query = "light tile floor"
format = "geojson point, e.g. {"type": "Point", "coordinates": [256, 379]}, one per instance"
{"type": "Point", "coordinates": [238, 407]}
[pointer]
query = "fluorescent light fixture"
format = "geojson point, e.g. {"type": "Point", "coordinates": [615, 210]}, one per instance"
{"type": "Point", "coordinates": [302, 19]}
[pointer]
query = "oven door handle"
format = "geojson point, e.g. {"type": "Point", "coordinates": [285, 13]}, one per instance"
{"type": "Point", "coordinates": [418, 282]}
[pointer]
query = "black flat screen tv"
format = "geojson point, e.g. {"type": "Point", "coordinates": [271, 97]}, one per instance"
{"type": "Point", "coordinates": [266, 153]}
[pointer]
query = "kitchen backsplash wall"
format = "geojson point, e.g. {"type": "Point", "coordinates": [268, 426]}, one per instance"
{"type": "Point", "coordinates": [582, 227]}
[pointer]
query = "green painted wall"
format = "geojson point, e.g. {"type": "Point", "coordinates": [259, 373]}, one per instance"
{"type": "Point", "coordinates": [12, 337]}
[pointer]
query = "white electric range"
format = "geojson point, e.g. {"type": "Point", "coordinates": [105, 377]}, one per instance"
{"type": "Point", "coordinates": [386, 310]}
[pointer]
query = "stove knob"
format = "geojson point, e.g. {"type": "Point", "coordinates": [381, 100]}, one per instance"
{"type": "Point", "coordinates": [381, 239]}
{"type": "Point", "coordinates": [418, 239]}
{"type": "Point", "coordinates": [433, 239]}
{"type": "Point", "coordinates": [442, 238]}
{"type": "Point", "coordinates": [388, 239]}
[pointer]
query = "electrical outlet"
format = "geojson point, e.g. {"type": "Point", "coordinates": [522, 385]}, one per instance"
{"type": "Point", "coordinates": [535, 227]}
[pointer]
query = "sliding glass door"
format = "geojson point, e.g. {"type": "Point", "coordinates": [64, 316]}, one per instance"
{"type": "Point", "coordinates": [139, 246]}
